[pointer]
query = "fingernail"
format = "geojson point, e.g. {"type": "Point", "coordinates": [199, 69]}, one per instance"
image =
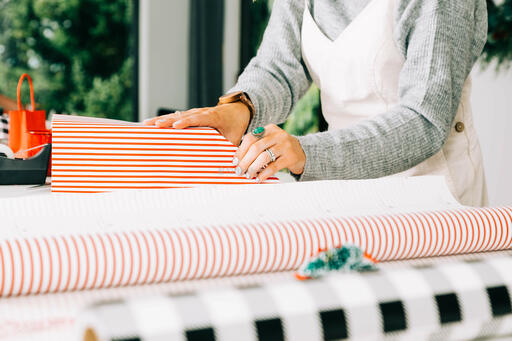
{"type": "Point", "coordinates": [235, 161]}
{"type": "Point", "coordinates": [247, 175]}
{"type": "Point", "coordinates": [162, 120]}
{"type": "Point", "coordinates": [238, 171]}
{"type": "Point", "coordinates": [258, 180]}
{"type": "Point", "coordinates": [146, 120]}
{"type": "Point", "coordinates": [176, 123]}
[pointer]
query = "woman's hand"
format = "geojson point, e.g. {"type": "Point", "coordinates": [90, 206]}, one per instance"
{"type": "Point", "coordinates": [252, 156]}
{"type": "Point", "coordinates": [231, 120]}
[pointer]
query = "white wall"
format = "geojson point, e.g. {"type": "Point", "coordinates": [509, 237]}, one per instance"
{"type": "Point", "coordinates": [492, 110]}
{"type": "Point", "coordinates": [163, 55]}
{"type": "Point", "coordinates": [231, 47]}
{"type": "Point", "coordinates": [164, 52]}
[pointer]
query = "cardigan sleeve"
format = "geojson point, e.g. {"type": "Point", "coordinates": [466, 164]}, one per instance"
{"type": "Point", "coordinates": [440, 40]}
{"type": "Point", "coordinates": [276, 78]}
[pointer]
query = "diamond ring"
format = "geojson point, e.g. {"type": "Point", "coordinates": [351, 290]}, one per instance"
{"type": "Point", "coordinates": [271, 154]}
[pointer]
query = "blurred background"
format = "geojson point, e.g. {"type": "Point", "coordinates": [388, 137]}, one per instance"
{"type": "Point", "coordinates": [80, 54]}
{"type": "Point", "coordinates": [132, 59]}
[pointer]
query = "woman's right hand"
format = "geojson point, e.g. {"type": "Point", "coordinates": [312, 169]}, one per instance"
{"type": "Point", "coordinates": [231, 120]}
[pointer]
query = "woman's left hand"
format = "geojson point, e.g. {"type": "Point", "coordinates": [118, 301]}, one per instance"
{"type": "Point", "coordinates": [252, 157]}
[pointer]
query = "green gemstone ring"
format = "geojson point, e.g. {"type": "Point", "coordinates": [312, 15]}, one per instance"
{"type": "Point", "coordinates": [258, 132]}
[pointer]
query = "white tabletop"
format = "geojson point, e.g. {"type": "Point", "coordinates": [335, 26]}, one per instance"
{"type": "Point", "coordinates": [9, 191]}
{"type": "Point", "coordinates": [24, 190]}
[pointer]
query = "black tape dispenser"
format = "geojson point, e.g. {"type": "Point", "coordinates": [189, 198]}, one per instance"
{"type": "Point", "coordinates": [29, 171]}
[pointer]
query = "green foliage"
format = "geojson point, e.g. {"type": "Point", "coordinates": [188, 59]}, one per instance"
{"type": "Point", "coordinates": [77, 52]}
{"type": "Point", "coordinates": [304, 118]}
{"type": "Point", "coordinates": [499, 42]}
{"type": "Point", "coordinates": [260, 13]}
{"type": "Point", "coordinates": [110, 97]}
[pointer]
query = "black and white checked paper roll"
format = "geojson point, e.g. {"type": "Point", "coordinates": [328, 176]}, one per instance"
{"type": "Point", "coordinates": [4, 128]}
{"type": "Point", "coordinates": [461, 300]}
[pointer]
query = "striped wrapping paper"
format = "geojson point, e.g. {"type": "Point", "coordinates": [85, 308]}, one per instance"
{"type": "Point", "coordinates": [440, 300]}
{"type": "Point", "coordinates": [82, 260]}
{"type": "Point", "coordinates": [100, 155]}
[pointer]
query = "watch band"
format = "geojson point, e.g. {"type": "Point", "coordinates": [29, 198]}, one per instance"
{"type": "Point", "coordinates": [238, 96]}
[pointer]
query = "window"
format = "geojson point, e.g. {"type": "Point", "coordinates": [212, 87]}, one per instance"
{"type": "Point", "coordinates": [81, 54]}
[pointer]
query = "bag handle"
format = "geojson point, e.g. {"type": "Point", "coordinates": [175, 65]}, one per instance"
{"type": "Point", "coordinates": [20, 83]}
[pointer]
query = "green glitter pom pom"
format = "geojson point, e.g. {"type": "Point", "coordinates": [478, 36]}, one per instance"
{"type": "Point", "coordinates": [346, 258]}
{"type": "Point", "coordinates": [259, 131]}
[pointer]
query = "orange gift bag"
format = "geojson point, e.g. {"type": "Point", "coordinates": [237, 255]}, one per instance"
{"type": "Point", "coordinates": [27, 128]}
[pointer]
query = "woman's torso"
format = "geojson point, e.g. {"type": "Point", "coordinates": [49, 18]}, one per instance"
{"type": "Point", "coordinates": [357, 68]}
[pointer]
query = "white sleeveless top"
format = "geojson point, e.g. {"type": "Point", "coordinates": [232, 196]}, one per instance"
{"type": "Point", "coordinates": [358, 76]}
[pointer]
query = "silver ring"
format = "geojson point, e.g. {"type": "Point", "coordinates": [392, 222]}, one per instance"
{"type": "Point", "coordinates": [271, 154]}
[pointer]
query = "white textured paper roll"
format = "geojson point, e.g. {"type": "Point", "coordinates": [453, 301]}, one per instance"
{"type": "Point", "coordinates": [6, 151]}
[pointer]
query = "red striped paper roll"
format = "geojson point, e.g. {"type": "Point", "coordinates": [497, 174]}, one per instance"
{"type": "Point", "coordinates": [98, 155]}
{"type": "Point", "coordinates": [112, 259]}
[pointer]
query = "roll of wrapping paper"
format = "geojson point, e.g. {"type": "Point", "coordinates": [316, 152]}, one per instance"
{"type": "Point", "coordinates": [446, 300]}
{"type": "Point", "coordinates": [78, 261]}
{"type": "Point", "coordinates": [4, 128]}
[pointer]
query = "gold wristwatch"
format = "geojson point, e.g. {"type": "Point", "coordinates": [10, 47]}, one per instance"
{"type": "Point", "coordinates": [238, 96]}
